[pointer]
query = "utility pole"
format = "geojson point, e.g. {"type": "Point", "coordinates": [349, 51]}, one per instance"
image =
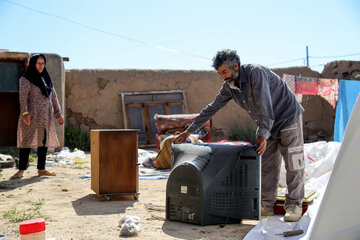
{"type": "Point", "coordinates": [307, 56]}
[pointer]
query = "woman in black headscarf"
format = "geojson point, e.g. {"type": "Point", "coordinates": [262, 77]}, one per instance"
{"type": "Point", "coordinates": [38, 107]}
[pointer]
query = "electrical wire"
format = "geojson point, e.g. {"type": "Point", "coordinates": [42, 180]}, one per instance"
{"type": "Point", "coordinates": [314, 57]}
{"type": "Point", "coordinates": [318, 65]}
{"type": "Point", "coordinates": [288, 61]}
{"type": "Point", "coordinates": [107, 32]}
{"type": "Point", "coordinates": [348, 55]}
{"type": "Point", "coordinates": [154, 45]}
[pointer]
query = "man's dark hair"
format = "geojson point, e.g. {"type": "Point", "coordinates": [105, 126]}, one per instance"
{"type": "Point", "coordinates": [227, 56]}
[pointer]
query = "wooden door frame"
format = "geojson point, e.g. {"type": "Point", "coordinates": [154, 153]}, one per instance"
{"type": "Point", "coordinates": [145, 108]}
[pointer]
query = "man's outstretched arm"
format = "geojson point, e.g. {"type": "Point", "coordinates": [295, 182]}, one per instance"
{"type": "Point", "coordinates": [182, 137]}
{"type": "Point", "coordinates": [220, 101]}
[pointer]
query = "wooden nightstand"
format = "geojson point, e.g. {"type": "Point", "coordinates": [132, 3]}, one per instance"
{"type": "Point", "coordinates": [114, 162]}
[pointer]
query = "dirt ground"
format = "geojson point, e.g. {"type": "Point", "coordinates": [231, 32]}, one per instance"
{"type": "Point", "coordinates": [73, 211]}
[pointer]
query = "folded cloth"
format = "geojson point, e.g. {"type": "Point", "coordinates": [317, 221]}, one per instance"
{"type": "Point", "coordinates": [176, 121]}
{"type": "Point", "coordinates": [163, 159]}
{"type": "Point", "coordinates": [329, 90]}
{"type": "Point", "coordinates": [306, 85]}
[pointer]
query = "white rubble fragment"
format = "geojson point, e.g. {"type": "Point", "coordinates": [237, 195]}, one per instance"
{"type": "Point", "coordinates": [129, 225]}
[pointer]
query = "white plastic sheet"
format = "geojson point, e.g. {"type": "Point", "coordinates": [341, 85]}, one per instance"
{"type": "Point", "coordinates": [146, 157]}
{"type": "Point", "coordinates": [319, 158]}
{"type": "Point", "coordinates": [339, 213]}
{"type": "Point", "coordinates": [319, 161]}
{"type": "Point", "coordinates": [4, 157]}
{"type": "Point", "coordinates": [65, 156]}
{"type": "Point", "coordinates": [66, 153]}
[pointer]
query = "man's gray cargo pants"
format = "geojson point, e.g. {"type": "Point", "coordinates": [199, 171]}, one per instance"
{"type": "Point", "coordinates": [289, 145]}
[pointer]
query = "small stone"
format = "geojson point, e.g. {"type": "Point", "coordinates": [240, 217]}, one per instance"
{"type": "Point", "coordinates": [65, 190]}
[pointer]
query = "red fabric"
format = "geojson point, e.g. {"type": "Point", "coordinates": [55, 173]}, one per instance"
{"type": "Point", "coordinates": [206, 138]}
{"type": "Point", "coordinates": [306, 87]}
{"type": "Point", "coordinates": [175, 121]}
{"type": "Point", "coordinates": [329, 90]}
{"type": "Point", "coordinates": [32, 226]}
{"type": "Point", "coordinates": [157, 141]}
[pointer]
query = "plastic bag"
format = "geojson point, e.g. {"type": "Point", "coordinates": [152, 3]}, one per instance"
{"type": "Point", "coordinates": [129, 225]}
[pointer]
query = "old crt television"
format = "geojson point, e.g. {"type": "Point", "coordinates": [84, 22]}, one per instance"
{"type": "Point", "coordinates": [213, 184]}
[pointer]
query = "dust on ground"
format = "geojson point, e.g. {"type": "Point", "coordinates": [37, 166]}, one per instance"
{"type": "Point", "coordinates": [73, 211]}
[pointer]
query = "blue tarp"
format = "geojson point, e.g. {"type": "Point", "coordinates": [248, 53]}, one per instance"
{"type": "Point", "coordinates": [348, 93]}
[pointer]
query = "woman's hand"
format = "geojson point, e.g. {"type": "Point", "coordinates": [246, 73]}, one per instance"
{"type": "Point", "coordinates": [26, 118]}
{"type": "Point", "coordinates": [60, 121]}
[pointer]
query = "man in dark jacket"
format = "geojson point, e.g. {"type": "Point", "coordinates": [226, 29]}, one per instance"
{"type": "Point", "coordinates": [278, 115]}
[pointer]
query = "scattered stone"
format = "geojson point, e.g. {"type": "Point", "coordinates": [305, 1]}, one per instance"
{"type": "Point", "coordinates": [158, 218]}
{"type": "Point", "coordinates": [151, 207]}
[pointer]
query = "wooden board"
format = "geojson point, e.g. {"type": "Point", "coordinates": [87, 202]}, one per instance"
{"type": "Point", "coordinates": [310, 195]}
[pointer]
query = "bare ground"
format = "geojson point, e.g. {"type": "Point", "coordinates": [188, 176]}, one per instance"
{"type": "Point", "coordinates": [73, 210]}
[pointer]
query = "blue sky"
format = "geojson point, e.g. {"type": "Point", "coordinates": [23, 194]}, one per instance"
{"type": "Point", "coordinates": [169, 34]}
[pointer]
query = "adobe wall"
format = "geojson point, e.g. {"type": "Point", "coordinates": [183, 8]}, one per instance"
{"type": "Point", "coordinates": [93, 101]}
{"type": "Point", "coordinates": [342, 70]}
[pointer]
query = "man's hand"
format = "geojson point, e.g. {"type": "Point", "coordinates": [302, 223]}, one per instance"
{"type": "Point", "coordinates": [181, 138]}
{"type": "Point", "coordinates": [26, 118]}
{"type": "Point", "coordinates": [60, 121]}
{"type": "Point", "coordinates": [261, 141]}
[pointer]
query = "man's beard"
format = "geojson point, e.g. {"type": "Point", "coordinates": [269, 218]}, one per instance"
{"type": "Point", "coordinates": [234, 77]}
